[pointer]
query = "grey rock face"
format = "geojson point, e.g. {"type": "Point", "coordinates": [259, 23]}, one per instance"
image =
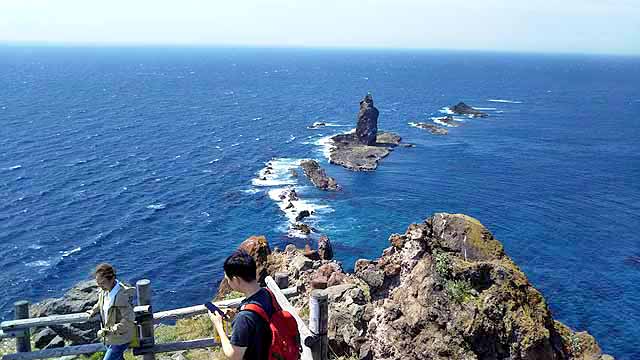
{"type": "Point", "coordinates": [318, 176]}
{"type": "Point", "coordinates": [44, 337]}
{"type": "Point", "coordinates": [351, 154]}
{"type": "Point", "coordinates": [464, 109]}
{"type": "Point", "coordinates": [367, 128]}
{"type": "Point", "coordinates": [434, 129]}
{"type": "Point", "coordinates": [78, 299]}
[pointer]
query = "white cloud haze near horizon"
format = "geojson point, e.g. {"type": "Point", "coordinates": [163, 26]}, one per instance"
{"type": "Point", "coordinates": [569, 26]}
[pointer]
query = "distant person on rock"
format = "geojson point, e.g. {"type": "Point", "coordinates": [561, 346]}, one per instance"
{"type": "Point", "coordinates": [115, 307]}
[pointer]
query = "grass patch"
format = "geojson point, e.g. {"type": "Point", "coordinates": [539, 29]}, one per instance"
{"type": "Point", "coordinates": [233, 295]}
{"type": "Point", "coordinates": [443, 264]}
{"type": "Point", "coordinates": [459, 290]}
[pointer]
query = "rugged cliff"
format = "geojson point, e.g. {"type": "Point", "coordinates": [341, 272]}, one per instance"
{"type": "Point", "coordinates": [443, 290]}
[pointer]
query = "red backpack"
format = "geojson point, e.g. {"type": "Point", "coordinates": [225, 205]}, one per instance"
{"type": "Point", "coordinates": [285, 338]}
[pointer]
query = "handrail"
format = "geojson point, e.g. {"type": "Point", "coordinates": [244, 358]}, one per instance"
{"type": "Point", "coordinates": [23, 324]}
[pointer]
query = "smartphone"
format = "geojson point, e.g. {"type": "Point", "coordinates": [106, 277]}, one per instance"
{"type": "Point", "coordinates": [211, 307]}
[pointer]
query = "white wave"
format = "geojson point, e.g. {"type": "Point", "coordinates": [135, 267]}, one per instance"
{"type": "Point", "coordinates": [214, 161]}
{"type": "Point", "coordinates": [279, 196]}
{"type": "Point", "coordinates": [257, 118]}
{"type": "Point", "coordinates": [69, 252]}
{"type": "Point", "coordinates": [156, 206]}
{"type": "Point", "coordinates": [38, 263]}
{"type": "Point", "coordinates": [277, 172]}
{"type": "Point", "coordinates": [236, 144]}
{"type": "Point", "coordinates": [34, 247]}
{"type": "Point", "coordinates": [251, 191]}
{"type": "Point", "coordinates": [321, 124]}
{"type": "Point", "coordinates": [440, 122]}
{"type": "Point", "coordinates": [446, 110]}
{"type": "Point", "coordinates": [291, 138]}
{"type": "Point", "coordinates": [326, 145]}
{"type": "Point", "coordinates": [16, 167]}
{"type": "Point", "coordinates": [505, 101]}
{"type": "Point", "coordinates": [257, 139]}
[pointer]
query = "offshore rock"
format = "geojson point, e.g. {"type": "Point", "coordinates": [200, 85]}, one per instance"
{"type": "Point", "coordinates": [464, 109]}
{"type": "Point", "coordinates": [433, 129]}
{"type": "Point", "coordinates": [318, 176]}
{"type": "Point", "coordinates": [367, 127]}
{"type": "Point", "coordinates": [348, 152]}
{"type": "Point", "coordinates": [448, 120]}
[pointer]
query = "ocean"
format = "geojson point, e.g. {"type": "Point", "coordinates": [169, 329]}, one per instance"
{"type": "Point", "coordinates": [150, 158]}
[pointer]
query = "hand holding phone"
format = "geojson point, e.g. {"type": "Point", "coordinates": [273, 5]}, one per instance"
{"type": "Point", "coordinates": [214, 309]}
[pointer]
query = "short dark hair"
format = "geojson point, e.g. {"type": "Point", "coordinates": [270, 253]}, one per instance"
{"type": "Point", "coordinates": [105, 270]}
{"type": "Point", "coordinates": [241, 264]}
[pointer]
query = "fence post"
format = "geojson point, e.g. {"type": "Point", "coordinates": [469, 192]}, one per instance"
{"type": "Point", "coordinates": [23, 342]}
{"type": "Point", "coordinates": [282, 279]}
{"type": "Point", "coordinates": [146, 326]}
{"type": "Point", "coordinates": [319, 323]}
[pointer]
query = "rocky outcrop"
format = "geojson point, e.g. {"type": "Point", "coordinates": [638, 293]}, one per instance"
{"type": "Point", "coordinates": [78, 299]}
{"type": "Point", "coordinates": [447, 120]}
{"type": "Point", "coordinates": [348, 152]}
{"type": "Point", "coordinates": [367, 126]}
{"type": "Point", "coordinates": [258, 248]}
{"type": "Point", "coordinates": [446, 290]}
{"type": "Point", "coordinates": [318, 176]}
{"type": "Point", "coordinates": [464, 109]}
{"type": "Point", "coordinates": [433, 129]}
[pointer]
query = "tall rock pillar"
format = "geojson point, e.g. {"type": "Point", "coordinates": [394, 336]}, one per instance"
{"type": "Point", "coordinates": [367, 128]}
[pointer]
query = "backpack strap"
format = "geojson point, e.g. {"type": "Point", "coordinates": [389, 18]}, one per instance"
{"type": "Point", "coordinates": [274, 302]}
{"type": "Point", "coordinates": [260, 311]}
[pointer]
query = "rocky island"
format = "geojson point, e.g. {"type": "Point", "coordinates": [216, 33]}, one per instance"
{"type": "Point", "coordinates": [362, 150]}
{"type": "Point", "coordinates": [434, 129]}
{"type": "Point", "coordinates": [464, 109]}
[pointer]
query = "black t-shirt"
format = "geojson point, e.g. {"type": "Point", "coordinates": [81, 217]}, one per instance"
{"type": "Point", "coordinates": [250, 330]}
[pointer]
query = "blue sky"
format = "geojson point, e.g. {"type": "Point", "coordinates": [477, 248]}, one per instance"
{"type": "Point", "coordinates": [575, 26]}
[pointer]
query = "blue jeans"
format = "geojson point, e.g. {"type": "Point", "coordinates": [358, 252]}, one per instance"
{"type": "Point", "coordinates": [115, 352]}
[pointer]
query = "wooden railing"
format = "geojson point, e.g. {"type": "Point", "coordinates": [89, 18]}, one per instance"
{"type": "Point", "coordinates": [314, 336]}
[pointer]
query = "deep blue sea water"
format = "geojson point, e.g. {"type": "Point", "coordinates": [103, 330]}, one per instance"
{"type": "Point", "coordinates": [149, 158]}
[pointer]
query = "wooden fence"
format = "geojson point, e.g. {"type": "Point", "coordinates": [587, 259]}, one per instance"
{"type": "Point", "coordinates": [314, 336]}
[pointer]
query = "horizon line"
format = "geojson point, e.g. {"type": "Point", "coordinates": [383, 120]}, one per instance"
{"type": "Point", "coordinates": [74, 44]}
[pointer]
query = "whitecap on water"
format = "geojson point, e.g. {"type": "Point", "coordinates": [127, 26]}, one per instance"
{"type": "Point", "coordinates": [446, 110]}
{"type": "Point", "coordinates": [505, 101]}
{"type": "Point", "coordinates": [16, 167]}
{"type": "Point", "coordinates": [156, 206]}
{"type": "Point", "coordinates": [69, 252]}
{"type": "Point", "coordinates": [277, 172]}
{"type": "Point", "coordinates": [38, 263]}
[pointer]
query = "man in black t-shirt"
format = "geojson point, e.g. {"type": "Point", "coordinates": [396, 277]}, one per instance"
{"type": "Point", "coordinates": [250, 333]}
